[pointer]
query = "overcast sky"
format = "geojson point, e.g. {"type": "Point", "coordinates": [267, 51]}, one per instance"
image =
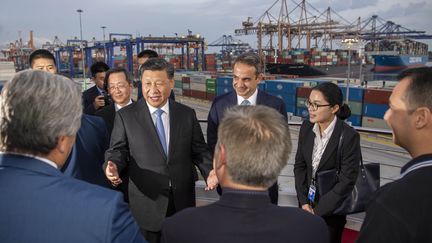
{"type": "Point", "coordinates": [210, 18]}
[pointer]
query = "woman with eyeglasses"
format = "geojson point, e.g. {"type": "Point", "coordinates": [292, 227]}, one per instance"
{"type": "Point", "coordinates": [317, 151]}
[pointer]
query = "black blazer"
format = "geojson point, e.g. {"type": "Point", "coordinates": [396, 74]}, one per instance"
{"type": "Point", "coordinates": [108, 114]}
{"type": "Point", "coordinates": [135, 145]}
{"type": "Point", "coordinates": [88, 98]}
{"type": "Point", "coordinates": [327, 203]}
{"type": "Point", "coordinates": [241, 216]}
{"type": "Point", "coordinates": [222, 102]}
{"type": "Point", "coordinates": [215, 116]}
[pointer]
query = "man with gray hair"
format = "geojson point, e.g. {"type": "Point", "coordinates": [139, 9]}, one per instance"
{"type": "Point", "coordinates": [253, 147]}
{"type": "Point", "coordinates": [38, 202]}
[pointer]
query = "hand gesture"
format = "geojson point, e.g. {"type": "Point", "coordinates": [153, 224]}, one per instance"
{"type": "Point", "coordinates": [212, 181]}
{"type": "Point", "coordinates": [112, 174]}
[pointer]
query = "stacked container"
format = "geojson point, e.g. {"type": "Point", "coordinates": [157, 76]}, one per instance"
{"type": "Point", "coordinates": [286, 90]}
{"type": "Point", "coordinates": [224, 85]}
{"type": "Point", "coordinates": [355, 103]}
{"type": "Point", "coordinates": [375, 106]}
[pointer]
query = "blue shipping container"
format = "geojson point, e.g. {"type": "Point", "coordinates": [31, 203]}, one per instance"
{"type": "Point", "coordinates": [285, 86]}
{"type": "Point", "coordinates": [224, 81]}
{"type": "Point", "coordinates": [289, 99]}
{"type": "Point", "coordinates": [291, 108]}
{"type": "Point", "coordinates": [220, 90]}
{"type": "Point", "coordinates": [355, 93]}
{"type": "Point", "coordinates": [375, 110]}
{"type": "Point", "coordinates": [355, 120]}
{"type": "Point", "coordinates": [261, 86]}
{"type": "Point", "coordinates": [302, 112]}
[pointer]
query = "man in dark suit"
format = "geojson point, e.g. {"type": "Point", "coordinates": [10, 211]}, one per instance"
{"type": "Point", "coordinates": [142, 57]}
{"type": "Point", "coordinates": [159, 141]}
{"type": "Point", "coordinates": [247, 73]}
{"type": "Point", "coordinates": [119, 86]}
{"type": "Point", "coordinates": [38, 202]}
{"type": "Point", "coordinates": [401, 210]}
{"type": "Point", "coordinates": [87, 156]}
{"type": "Point", "coordinates": [248, 137]}
{"type": "Point", "coordinates": [93, 98]}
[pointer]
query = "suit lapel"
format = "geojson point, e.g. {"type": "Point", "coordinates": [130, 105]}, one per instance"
{"type": "Point", "coordinates": [146, 121]}
{"type": "Point", "coordinates": [309, 144]}
{"type": "Point", "coordinates": [332, 144]}
{"type": "Point", "coordinates": [174, 126]}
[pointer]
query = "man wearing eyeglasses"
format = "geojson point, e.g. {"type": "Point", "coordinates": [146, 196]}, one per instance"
{"type": "Point", "coordinates": [119, 86]}
{"type": "Point", "coordinates": [158, 141]}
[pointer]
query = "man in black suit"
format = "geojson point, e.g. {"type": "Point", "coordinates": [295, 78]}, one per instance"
{"type": "Point", "coordinates": [119, 86]}
{"type": "Point", "coordinates": [247, 73]}
{"type": "Point", "coordinates": [159, 141]}
{"type": "Point", "coordinates": [401, 210]}
{"type": "Point", "coordinates": [253, 147]}
{"type": "Point", "coordinates": [93, 98]}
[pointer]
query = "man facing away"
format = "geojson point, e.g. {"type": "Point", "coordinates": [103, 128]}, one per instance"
{"type": "Point", "coordinates": [247, 74]}
{"type": "Point", "coordinates": [159, 141]}
{"type": "Point", "coordinates": [87, 155]}
{"type": "Point", "coordinates": [253, 147]}
{"type": "Point", "coordinates": [401, 210]}
{"type": "Point", "coordinates": [38, 202]}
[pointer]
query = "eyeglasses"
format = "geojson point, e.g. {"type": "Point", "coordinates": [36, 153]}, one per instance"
{"type": "Point", "coordinates": [158, 84]}
{"type": "Point", "coordinates": [314, 106]}
{"type": "Point", "coordinates": [120, 86]}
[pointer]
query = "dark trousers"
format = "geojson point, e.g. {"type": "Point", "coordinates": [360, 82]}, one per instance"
{"type": "Point", "coordinates": [155, 236]}
{"type": "Point", "coordinates": [336, 225]}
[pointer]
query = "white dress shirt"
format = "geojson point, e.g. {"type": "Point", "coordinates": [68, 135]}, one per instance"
{"type": "Point", "coordinates": [118, 107]}
{"type": "Point", "coordinates": [252, 100]}
{"type": "Point", "coordinates": [165, 119]}
{"type": "Point", "coordinates": [320, 143]}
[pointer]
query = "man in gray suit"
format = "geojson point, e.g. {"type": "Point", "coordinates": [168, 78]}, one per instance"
{"type": "Point", "coordinates": [159, 141]}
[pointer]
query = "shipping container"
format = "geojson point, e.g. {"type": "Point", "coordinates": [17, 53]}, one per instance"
{"type": "Point", "coordinates": [373, 122]}
{"type": "Point", "coordinates": [377, 96]}
{"type": "Point", "coordinates": [375, 110]}
{"type": "Point", "coordinates": [285, 86]}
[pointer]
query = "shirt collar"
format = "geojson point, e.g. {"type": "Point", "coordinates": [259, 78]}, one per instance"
{"type": "Point", "coordinates": [101, 91]}
{"type": "Point", "coordinates": [118, 107]}
{"type": "Point", "coordinates": [165, 108]}
{"type": "Point", "coordinates": [328, 131]}
{"type": "Point", "coordinates": [415, 161]}
{"type": "Point", "coordinates": [251, 99]}
{"type": "Point", "coordinates": [47, 161]}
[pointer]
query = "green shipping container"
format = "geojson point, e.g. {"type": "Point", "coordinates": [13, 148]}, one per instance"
{"type": "Point", "coordinates": [356, 107]}
{"type": "Point", "coordinates": [211, 90]}
{"type": "Point", "coordinates": [178, 84]}
{"type": "Point", "coordinates": [211, 81]}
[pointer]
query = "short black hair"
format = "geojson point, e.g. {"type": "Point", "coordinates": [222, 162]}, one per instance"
{"type": "Point", "coordinates": [147, 53]}
{"type": "Point", "coordinates": [41, 53]}
{"type": "Point", "coordinates": [98, 67]}
{"type": "Point", "coordinates": [333, 95]}
{"type": "Point", "coordinates": [419, 91]}
{"type": "Point", "coordinates": [116, 70]}
{"type": "Point", "coordinates": [159, 64]}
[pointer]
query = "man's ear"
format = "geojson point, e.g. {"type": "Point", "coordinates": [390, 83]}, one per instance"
{"type": "Point", "coordinates": [220, 157]}
{"type": "Point", "coordinates": [422, 116]}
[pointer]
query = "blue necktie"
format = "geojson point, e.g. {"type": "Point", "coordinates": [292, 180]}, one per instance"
{"type": "Point", "coordinates": [160, 129]}
{"type": "Point", "coordinates": [245, 102]}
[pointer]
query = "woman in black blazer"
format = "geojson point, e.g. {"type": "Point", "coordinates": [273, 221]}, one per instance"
{"type": "Point", "coordinates": [317, 151]}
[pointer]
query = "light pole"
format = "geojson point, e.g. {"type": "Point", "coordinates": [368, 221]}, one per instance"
{"type": "Point", "coordinates": [82, 49]}
{"type": "Point", "coordinates": [349, 42]}
{"type": "Point", "coordinates": [103, 31]}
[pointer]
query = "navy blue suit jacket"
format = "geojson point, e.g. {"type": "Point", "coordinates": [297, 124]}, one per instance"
{"type": "Point", "coordinates": [88, 98]}
{"type": "Point", "coordinates": [40, 204]}
{"type": "Point", "coordinates": [244, 216]}
{"type": "Point", "coordinates": [222, 102]}
{"type": "Point", "coordinates": [87, 156]}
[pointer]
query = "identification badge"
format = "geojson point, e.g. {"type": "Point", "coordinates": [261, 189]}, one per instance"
{"type": "Point", "coordinates": [311, 193]}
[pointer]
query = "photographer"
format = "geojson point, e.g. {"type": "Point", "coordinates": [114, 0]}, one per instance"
{"type": "Point", "coordinates": [95, 97]}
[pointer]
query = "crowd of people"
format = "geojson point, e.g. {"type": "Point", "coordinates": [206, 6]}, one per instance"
{"type": "Point", "coordinates": [98, 166]}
